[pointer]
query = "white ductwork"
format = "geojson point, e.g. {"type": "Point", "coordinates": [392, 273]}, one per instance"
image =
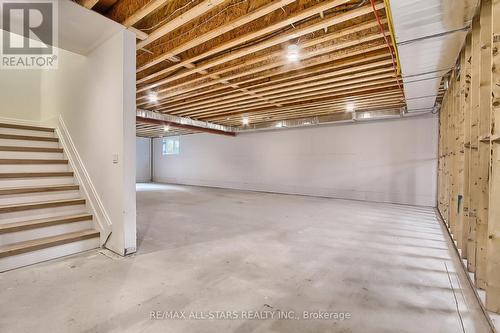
{"type": "Point", "coordinates": [183, 121]}
{"type": "Point", "coordinates": [429, 35]}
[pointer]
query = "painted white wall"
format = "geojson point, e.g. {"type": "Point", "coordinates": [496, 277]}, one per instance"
{"type": "Point", "coordinates": [143, 160]}
{"type": "Point", "coordinates": [93, 92]}
{"type": "Point", "coordinates": [386, 161]}
{"type": "Point", "coordinates": [95, 97]}
{"type": "Point", "coordinates": [19, 92]}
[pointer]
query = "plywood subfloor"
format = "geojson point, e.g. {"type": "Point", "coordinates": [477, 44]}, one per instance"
{"type": "Point", "coordinates": [201, 249]}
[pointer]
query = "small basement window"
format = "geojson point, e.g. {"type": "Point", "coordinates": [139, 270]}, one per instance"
{"type": "Point", "coordinates": [171, 145]}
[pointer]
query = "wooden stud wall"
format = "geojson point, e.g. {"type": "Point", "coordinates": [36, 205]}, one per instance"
{"type": "Point", "coordinates": [469, 154]}
{"type": "Point", "coordinates": [493, 264]}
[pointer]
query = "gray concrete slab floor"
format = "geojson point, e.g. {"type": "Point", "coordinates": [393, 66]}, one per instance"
{"type": "Point", "coordinates": [388, 268]}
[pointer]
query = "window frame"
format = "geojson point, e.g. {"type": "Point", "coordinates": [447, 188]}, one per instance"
{"type": "Point", "coordinates": [174, 152]}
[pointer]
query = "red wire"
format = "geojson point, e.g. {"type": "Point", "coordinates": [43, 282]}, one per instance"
{"type": "Point", "coordinates": [382, 31]}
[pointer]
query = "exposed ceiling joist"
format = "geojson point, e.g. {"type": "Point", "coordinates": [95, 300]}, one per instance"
{"type": "Point", "coordinates": [264, 10]}
{"type": "Point", "coordinates": [247, 83]}
{"type": "Point", "coordinates": [287, 87]}
{"type": "Point", "coordinates": [89, 4]}
{"type": "Point", "coordinates": [223, 61]}
{"type": "Point", "coordinates": [250, 36]}
{"type": "Point", "coordinates": [175, 23]}
{"type": "Point", "coordinates": [138, 33]}
{"type": "Point", "coordinates": [143, 12]}
{"type": "Point", "coordinates": [171, 92]}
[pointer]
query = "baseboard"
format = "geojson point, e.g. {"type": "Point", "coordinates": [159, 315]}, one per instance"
{"type": "Point", "coordinates": [83, 178]}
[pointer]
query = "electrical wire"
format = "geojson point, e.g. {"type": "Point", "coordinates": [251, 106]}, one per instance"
{"type": "Point", "coordinates": [153, 27]}
{"type": "Point", "coordinates": [264, 38]}
{"type": "Point", "coordinates": [277, 32]}
{"type": "Point", "coordinates": [382, 31]}
{"type": "Point", "coordinates": [196, 26]}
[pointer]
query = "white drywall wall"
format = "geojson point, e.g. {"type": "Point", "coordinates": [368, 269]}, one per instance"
{"type": "Point", "coordinates": [387, 161]}
{"type": "Point", "coordinates": [19, 93]}
{"type": "Point", "coordinates": [143, 160]}
{"type": "Point", "coordinates": [94, 95]}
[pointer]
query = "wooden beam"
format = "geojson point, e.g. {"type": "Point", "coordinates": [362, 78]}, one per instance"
{"type": "Point", "coordinates": [273, 61]}
{"type": "Point", "coordinates": [286, 97]}
{"type": "Point", "coordinates": [89, 4]}
{"type": "Point", "coordinates": [465, 78]}
{"type": "Point", "coordinates": [143, 12]}
{"type": "Point", "coordinates": [333, 105]}
{"type": "Point", "coordinates": [315, 95]}
{"type": "Point", "coordinates": [273, 92]}
{"type": "Point", "coordinates": [245, 52]}
{"type": "Point", "coordinates": [175, 23]}
{"type": "Point", "coordinates": [274, 68]}
{"type": "Point", "coordinates": [484, 147]}
{"type": "Point", "coordinates": [474, 140]}
{"type": "Point", "coordinates": [387, 88]}
{"type": "Point", "coordinates": [260, 46]}
{"type": "Point", "coordinates": [247, 18]}
{"type": "Point", "coordinates": [280, 75]}
{"type": "Point", "coordinates": [314, 77]}
{"type": "Point", "coordinates": [138, 33]}
{"type": "Point", "coordinates": [339, 99]}
{"type": "Point", "coordinates": [493, 270]}
{"type": "Point", "coordinates": [454, 162]}
{"type": "Point", "coordinates": [183, 126]}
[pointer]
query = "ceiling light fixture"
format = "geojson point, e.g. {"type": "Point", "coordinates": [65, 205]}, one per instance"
{"type": "Point", "coordinates": [293, 52]}
{"type": "Point", "coordinates": [166, 128]}
{"type": "Point", "coordinates": [279, 125]}
{"type": "Point", "coordinates": [350, 107]}
{"type": "Point", "coordinates": [153, 97]}
{"type": "Point", "coordinates": [245, 121]}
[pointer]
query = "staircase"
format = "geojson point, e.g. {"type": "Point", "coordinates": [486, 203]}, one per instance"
{"type": "Point", "coordinates": [42, 214]}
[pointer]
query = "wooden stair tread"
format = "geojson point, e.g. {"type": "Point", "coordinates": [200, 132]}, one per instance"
{"type": "Point", "coordinates": [28, 137]}
{"type": "Point", "coordinates": [45, 242]}
{"type": "Point", "coordinates": [37, 189]}
{"type": "Point", "coordinates": [36, 174]}
{"type": "Point", "coordinates": [27, 127]}
{"type": "Point", "coordinates": [40, 205]}
{"type": "Point", "coordinates": [31, 149]}
{"type": "Point", "coordinates": [31, 161]}
{"type": "Point", "coordinates": [40, 223]}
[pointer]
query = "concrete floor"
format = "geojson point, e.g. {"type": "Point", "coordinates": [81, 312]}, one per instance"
{"type": "Point", "coordinates": [391, 268]}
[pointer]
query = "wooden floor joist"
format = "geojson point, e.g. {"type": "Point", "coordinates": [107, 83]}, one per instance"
{"type": "Point", "coordinates": [223, 59]}
{"type": "Point", "coordinates": [171, 25]}
{"type": "Point", "coordinates": [261, 46]}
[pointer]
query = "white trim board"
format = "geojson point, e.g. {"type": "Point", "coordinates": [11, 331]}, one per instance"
{"type": "Point", "coordinates": [83, 179]}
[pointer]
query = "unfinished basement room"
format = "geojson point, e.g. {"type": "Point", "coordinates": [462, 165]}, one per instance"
{"type": "Point", "coordinates": [241, 166]}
